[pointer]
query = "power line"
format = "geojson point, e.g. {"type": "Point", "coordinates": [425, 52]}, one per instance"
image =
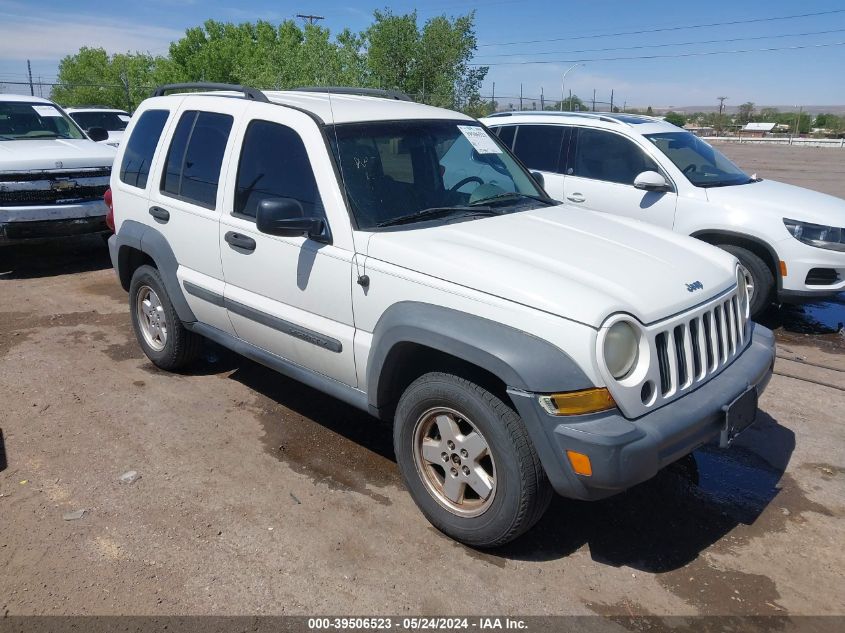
{"type": "Point", "coordinates": [632, 48]}
{"type": "Point", "coordinates": [667, 28]}
{"type": "Point", "coordinates": [674, 55]}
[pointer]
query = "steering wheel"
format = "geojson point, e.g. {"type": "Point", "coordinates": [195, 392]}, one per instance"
{"type": "Point", "coordinates": [689, 169]}
{"type": "Point", "coordinates": [466, 181]}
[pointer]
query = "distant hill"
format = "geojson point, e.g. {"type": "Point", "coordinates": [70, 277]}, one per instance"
{"type": "Point", "coordinates": [733, 109]}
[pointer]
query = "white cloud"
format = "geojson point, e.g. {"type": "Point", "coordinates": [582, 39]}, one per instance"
{"type": "Point", "coordinates": [26, 36]}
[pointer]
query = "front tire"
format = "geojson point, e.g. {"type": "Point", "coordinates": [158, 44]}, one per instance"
{"type": "Point", "coordinates": [160, 332]}
{"type": "Point", "coordinates": [759, 277]}
{"type": "Point", "coordinates": [468, 462]}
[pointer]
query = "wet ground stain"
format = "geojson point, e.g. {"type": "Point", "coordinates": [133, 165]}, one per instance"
{"type": "Point", "coordinates": [17, 327]}
{"type": "Point", "coordinates": [124, 351]}
{"type": "Point", "coordinates": [820, 324]}
{"type": "Point", "coordinates": [318, 436]}
{"type": "Point", "coordinates": [109, 287]}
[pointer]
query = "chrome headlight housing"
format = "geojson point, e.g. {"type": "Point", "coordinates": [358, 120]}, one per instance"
{"type": "Point", "coordinates": [818, 235]}
{"type": "Point", "coordinates": [744, 294]}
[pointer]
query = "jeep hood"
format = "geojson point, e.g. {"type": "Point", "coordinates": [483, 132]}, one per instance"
{"type": "Point", "coordinates": [575, 263]}
{"type": "Point", "coordinates": [43, 154]}
{"type": "Point", "coordinates": [781, 200]}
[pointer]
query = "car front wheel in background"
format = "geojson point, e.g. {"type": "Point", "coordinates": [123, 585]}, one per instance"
{"type": "Point", "coordinates": [158, 328]}
{"type": "Point", "coordinates": [758, 276]}
{"type": "Point", "coordinates": [468, 461]}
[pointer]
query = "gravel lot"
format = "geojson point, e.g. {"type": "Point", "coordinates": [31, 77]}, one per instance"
{"type": "Point", "coordinates": [258, 495]}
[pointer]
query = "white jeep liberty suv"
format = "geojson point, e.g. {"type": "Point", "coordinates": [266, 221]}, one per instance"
{"type": "Point", "coordinates": [397, 257]}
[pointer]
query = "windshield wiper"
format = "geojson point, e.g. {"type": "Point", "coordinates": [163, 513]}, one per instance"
{"type": "Point", "coordinates": [437, 212]}
{"type": "Point", "coordinates": [512, 194]}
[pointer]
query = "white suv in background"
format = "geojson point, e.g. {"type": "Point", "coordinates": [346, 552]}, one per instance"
{"type": "Point", "coordinates": [112, 120]}
{"type": "Point", "coordinates": [790, 240]}
{"type": "Point", "coordinates": [517, 346]}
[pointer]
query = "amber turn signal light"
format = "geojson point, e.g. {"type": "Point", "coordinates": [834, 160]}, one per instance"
{"type": "Point", "coordinates": [580, 463]}
{"type": "Point", "coordinates": [578, 402]}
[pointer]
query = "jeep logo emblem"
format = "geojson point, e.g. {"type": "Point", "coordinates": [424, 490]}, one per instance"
{"type": "Point", "coordinates": [696, 285]}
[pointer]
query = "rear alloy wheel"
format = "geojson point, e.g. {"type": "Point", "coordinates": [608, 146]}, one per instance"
{"type": "Point", "coordinates": [159, 331]}
{"type": "Point", "coordinates": [467, 461]}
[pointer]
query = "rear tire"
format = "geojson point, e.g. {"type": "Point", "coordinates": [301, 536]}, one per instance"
{"type": "Point", "coordinates": [456, 441]}
{"type": "Point", "coordinates": [761, 277]}
{"type": "Point", "coordinates": [160, 332]}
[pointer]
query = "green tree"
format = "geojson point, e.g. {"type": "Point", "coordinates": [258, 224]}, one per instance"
{"type": "Point", "coordinates": [93, 77]}
{"type": "Point", "coordinates": [745, 113]}
{"type": "Point", "coordinates": [675, 118]}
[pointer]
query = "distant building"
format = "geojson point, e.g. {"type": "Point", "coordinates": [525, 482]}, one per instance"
{"type": "Point", "coordinates": [700, 130]}
{"type": "Point", "coordinates": [758, 129]}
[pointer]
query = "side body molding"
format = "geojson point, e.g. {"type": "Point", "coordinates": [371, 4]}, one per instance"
{"type": "Point", "coordinates": [134, 235]}
{"type": "Point", "coordinates": [521, 360]}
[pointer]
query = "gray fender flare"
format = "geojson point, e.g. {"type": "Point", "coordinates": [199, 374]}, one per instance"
{"type": "Point", "coordinates": [521, 360]}
{"type": "Point", "coordinates": [148, 240]}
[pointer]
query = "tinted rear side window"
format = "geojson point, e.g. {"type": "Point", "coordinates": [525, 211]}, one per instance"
{"type": "Point", "coordinates": [192, 170]}
{"type": "Point", "coordinates": [141, 146]}
{"type": "Point", "coordinates": [506, 133]}
{"type": "Point", "coordinates": [274, 164]}
{"type": "Point", "coordinates": [539, 146]}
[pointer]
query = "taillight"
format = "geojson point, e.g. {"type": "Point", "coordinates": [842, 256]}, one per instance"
{"type": "Point", "coordinates": [110, 213]}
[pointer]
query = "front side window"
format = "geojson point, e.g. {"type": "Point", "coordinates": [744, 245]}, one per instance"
{"type": "Point", "coordinates": [393, 170]}
{"type": "Point", "coordinates": [110, 121]}
{"type": "Point", "coordinates": [602, 155]}
{"type": "Point", "coordinates": [192, 169]}
{"type": "Point", "coordinates": [274, 164]}
{"type": "Point", "coordinates": [135, 167]}
{"type": "Point", "coordinates": [701, 163]}
{"type": "Point", "coordinates": [539, 146]}
{"type": "Point", "coordinates": [506, 133]}
{"type": "Point", "coordinates": [21, 121]}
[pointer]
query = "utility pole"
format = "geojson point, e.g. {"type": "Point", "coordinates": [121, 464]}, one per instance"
{"type": "Point", "coordinates": [594, 99]}
{"type": "Point", "coordinates": [124, 79]}
{"type": "Point", "coordinates": [311, 18]}
{"type": "Point", "coordinates": [29, 70]}
{"type": "Point", "coordinates": [624, 106]}
{"type": "Point", "coordinates": [721, 108]}
{"type": "Point", "coordinates": [611, 99]}
{"type": "Point", "coordinates": [542, 99]}
{"type": "Point", "coordinates": [520, 97]}
{"type": "Point", "coordinates": [493, 98]}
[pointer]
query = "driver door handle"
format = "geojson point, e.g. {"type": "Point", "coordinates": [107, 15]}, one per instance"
{"type": "Point", "coordinates": [576, 197]}
{"type": "Point", "coordinates": [240, 241]}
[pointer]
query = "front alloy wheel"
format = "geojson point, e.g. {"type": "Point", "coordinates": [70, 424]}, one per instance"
{"type": "Point", "coordinates": [454, 462]}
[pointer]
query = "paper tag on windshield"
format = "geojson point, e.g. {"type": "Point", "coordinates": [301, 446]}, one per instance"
{"type": "Point", "coordinates": [480, 139]}
{"type": "Point", "coordinates": [46, 110]}
{"type": "Point", "coordinates": [123, 117]}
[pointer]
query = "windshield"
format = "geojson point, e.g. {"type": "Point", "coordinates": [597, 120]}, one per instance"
{"type": "Point", "coordinates": [111, 121]}
{"type": "Point", "coordinates": [703, 165]}
{"type": "Point", "coordinates": [396, 169]}
{"type": "Point", "coordinates": [22, 121]}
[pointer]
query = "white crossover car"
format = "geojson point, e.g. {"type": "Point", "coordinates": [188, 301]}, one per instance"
{"type": "Point", "coordinates": [790, 240]}
{"type": "Point", "coordinates": [112, 120]}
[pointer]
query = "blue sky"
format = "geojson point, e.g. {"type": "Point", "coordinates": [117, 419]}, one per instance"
{"type": "Point", "coordinates": [808, 76]}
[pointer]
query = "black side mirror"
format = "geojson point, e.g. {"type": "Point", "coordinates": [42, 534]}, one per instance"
{"type": "Point", "coordinates": [97, 134]}
{"type": "Point", "coordinates": [539, 178]}
{"type": "Point", "coordinates": [285, 217]}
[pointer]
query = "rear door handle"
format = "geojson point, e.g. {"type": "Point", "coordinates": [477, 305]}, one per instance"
{"type": "Point", "coordinates": [576, 197]}
{"type": "Point", "coordinates": [240, 241]}
{"type": "Point", "coordinates": [160, 214]}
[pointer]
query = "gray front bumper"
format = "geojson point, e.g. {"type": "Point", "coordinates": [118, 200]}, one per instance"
{"type": "Point", "coordinates": [626, 452]}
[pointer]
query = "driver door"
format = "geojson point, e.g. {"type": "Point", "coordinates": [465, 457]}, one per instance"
{"type": "Point", "coordinates": [600, 168]}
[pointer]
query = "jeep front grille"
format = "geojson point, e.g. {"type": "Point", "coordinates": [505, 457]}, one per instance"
{"type": "Point", "coordinates": [685, 351]}
{"type": "Point", "coordinates": [700, 345]}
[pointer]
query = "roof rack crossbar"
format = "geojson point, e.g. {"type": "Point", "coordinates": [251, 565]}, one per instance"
{"type": "Point", "coordinates": [398, 95]}
{"type": "Point", "coordinates": [249, 93]}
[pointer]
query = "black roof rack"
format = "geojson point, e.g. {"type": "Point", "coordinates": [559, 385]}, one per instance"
{"type": "Point", "coordinates": [249, 93]}
{"type": "Point", "coordinates": [398, 95]}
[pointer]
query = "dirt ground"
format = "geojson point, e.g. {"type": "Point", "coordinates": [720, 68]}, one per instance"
{"type": "Point", "coordinates": [260, 496]}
